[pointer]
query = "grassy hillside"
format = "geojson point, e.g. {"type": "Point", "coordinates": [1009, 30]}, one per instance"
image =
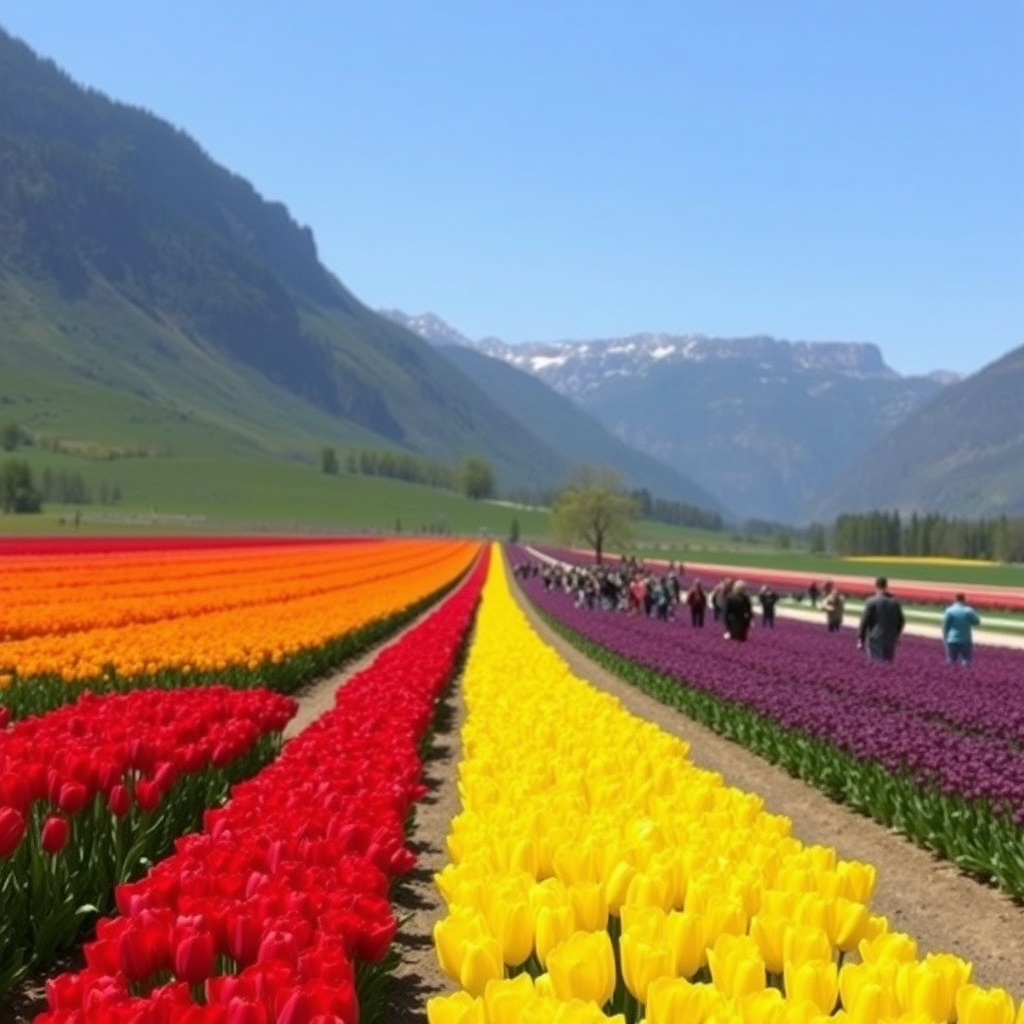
{"type": "Point", "coordinates": [152, 299]}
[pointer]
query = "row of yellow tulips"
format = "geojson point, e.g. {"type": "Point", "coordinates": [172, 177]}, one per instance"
{"type": "Point", "coordinates": [219, 626]}
{"type": "Point", "coordinates": [597, 874]}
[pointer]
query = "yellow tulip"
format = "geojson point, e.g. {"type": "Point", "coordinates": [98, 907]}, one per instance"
{"type": "Point", "coordinates": [931, 985]}
{"type": "Point", "coordinates": [583, 967]}
{"type": "Point", "coordinates": [589, 906]}
{"type": "Point", "coordinates": [858, 880]}
{"type": "Point", "coordinates": [767, 1007]}
{"type": "Point", "coordinates": [504, 1000]}
{"type": "Point", "coordinates": [647, 890]}
{"type": "Point", "coordinates": [671, 1000]}
{"type": "Point", "coordinates": [976, 1005]}
{"type": "Point", "coordinates": [575, 862]}
{"type": "Point", "coordinates": [460, 1008]}
{"type": "Point", "coordinates": [451, 934]}
{"type": "Point", "coordinates": [651, 919]}
{"type": "Point", "coordinates": [870, 986]}
{"type": "Point", "coordinates": [616, 885]}
{"type": "Point", "coordinates": [736, 965]}
{"type": "Point", "coordinates": [684, 933]}
{"type": "Point", "coordinates": [724, 916]}
{"type": "Point", "coordinates": [804, 942]}
{"type": "Point", "coordinates": [813, 981]}
{"type": "Point", "coordinates": [553, 925]}
{"type": "Point", "coordinates": [769, 932]}
{"type": "Point", "coordinates": [512, 921]}
{"type": "Point", "coordinates": [481, 963]}
{"type": "Point", "coordinates": [811, 908]}
{"type": "Point", "coordinates": [643, 961]}
{"type": "Point", "coordinates": [578, 1011]}
{"type": "Point", "coordinates": [846, 923]}
{"type": "Point", "coordinates": [888, 946]}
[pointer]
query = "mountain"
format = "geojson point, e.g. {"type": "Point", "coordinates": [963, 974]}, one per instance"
{"type": "Point", "coordinates": [765, 424]}
{"type": "Point", "coordinates": [573, 432]}
{"type": "Point", "coordinates": [153, 303]}
{"type": "Point", "coordinates": [962, 453]}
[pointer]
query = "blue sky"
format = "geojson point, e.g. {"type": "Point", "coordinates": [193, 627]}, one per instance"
{"type": "Point", "coordinates": [842, 170]}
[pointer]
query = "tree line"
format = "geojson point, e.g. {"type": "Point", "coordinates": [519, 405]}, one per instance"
{"type": "Point", "coordinates": [472, 476]}
{"type": "Point", "coordinates": [23, 491]}
{"type": "Point", "coordinates": [999, 539]}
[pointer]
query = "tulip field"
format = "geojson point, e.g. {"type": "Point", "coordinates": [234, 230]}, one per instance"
{"type": "Point", "coordinates": [204, 872]}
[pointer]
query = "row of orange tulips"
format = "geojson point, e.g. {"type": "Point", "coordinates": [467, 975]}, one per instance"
{"type": "Point", "coordinates": [261, 633]}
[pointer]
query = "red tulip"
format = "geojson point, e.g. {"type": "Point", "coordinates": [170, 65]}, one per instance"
{"type": "Point", "coordinates": [245, 931]}
{"type": "Point", "coordinates": [277, 945]}
{"type": "Point", "coordinates": [12, 828]}
{"type": "Point", "coordinates": [5, 716]}
{"type": "Point", "coordinates": [119, 801]}
{"type": "Point", "coordinates": [246, 1011]}
{"type": "Point", "coordinates": [194, 957]}
{"type": "Point", "coordinates": [72, 797]}
{"type": "Point", "coordinates": [297, 1009]}
{"type": "Point", "coordinates": [147, 794]}
{"type": "Point", "coordinates": [54, 836]}
{"type": "Point", "coordinates": [14, 792]}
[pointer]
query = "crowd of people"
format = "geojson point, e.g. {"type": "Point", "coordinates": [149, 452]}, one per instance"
{"type": "Point", "coordinates": [631, 587]}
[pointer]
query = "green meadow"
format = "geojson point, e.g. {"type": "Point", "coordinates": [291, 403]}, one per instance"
{"type": "Point", "coordinates": [223, 494]}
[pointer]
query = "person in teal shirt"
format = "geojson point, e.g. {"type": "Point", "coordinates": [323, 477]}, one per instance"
{"type": "Point", "coordinates": [958, 624]}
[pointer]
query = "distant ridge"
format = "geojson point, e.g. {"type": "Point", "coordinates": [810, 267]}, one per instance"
{"type": "Point", "coordinates": [962, 453]}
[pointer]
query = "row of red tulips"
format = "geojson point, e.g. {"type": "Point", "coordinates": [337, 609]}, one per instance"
{"type": "Point", "coordinates": [91, 792]}
{"type": "Point", "coordinates": [278, 911]}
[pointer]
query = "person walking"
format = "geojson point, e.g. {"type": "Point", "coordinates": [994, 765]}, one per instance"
{"type": "Point", "coordinates": [738, 612]}
{"type": "Point", "coordinates": [697, 602]}
{"type": "Point", "coordinates": [881, 623]}
{"type": "Point", "coordinates": [958, 622]}
{"type": "Point", "coordinates": [832, 604]}
{"type": "Point", "coordinates": [767, 598]}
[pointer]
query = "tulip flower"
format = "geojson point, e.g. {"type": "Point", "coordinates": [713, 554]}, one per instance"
{"type": "Point", "coordinates": [812, 981]}
{"type": "Point", "coordinates": [736, 965]}
{"type": "Point", "coordinates": [868, 990]}
{"type": "Point", "coordinates": [644, 960]}
{"type": "Point", "coordinates": [589, 906]}
{"type": "Point", "coordinates": [670, 1000]}
{"type": "Point", "coordinates": [512, 921]}
{"type": "Point", "coordinates": [505, 999]}
{"type": "Point", "coordinates": [617, 884]}
{"type": "Point", "coordinates": [976, 1005]}
{"type": "Point", "coordinates": [684, 933]}
{"type": "Point", "coordinates": [846, 923]}
{"type": "Point", "coordinates": [194, 957]}
{"type": "Point", "coordinates": [54, 834]}
{"type": "Point", "coordinates": [553, 926]}
{"type": "Point", "coordinates": [583, 967]}
{"type": "Point", "coordinates": [769, 932]}
{"type": "Point", "coordinates": [72, 797]}
{"type": "Point", "coordinates": [119, 801]}
{"type": "Point", "coordinates": [930, 986]}
{"type": "Point", "coordinates": [888, 946]}
{"type": "Point", "coordinates": [12, 828]}
{"type": "Point", "coordinates": [806, 942]}
{"type": "Point", "coordinates": [459, 1008]}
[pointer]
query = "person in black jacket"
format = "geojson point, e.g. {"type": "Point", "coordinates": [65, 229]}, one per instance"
{"type": "Point", "coordinates": [738, 612]}
{"type": "Point", "coordinates": [881, 623]}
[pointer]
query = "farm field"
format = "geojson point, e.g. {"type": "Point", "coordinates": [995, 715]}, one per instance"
{"type": "Point", "coordinates": [332, 809]}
